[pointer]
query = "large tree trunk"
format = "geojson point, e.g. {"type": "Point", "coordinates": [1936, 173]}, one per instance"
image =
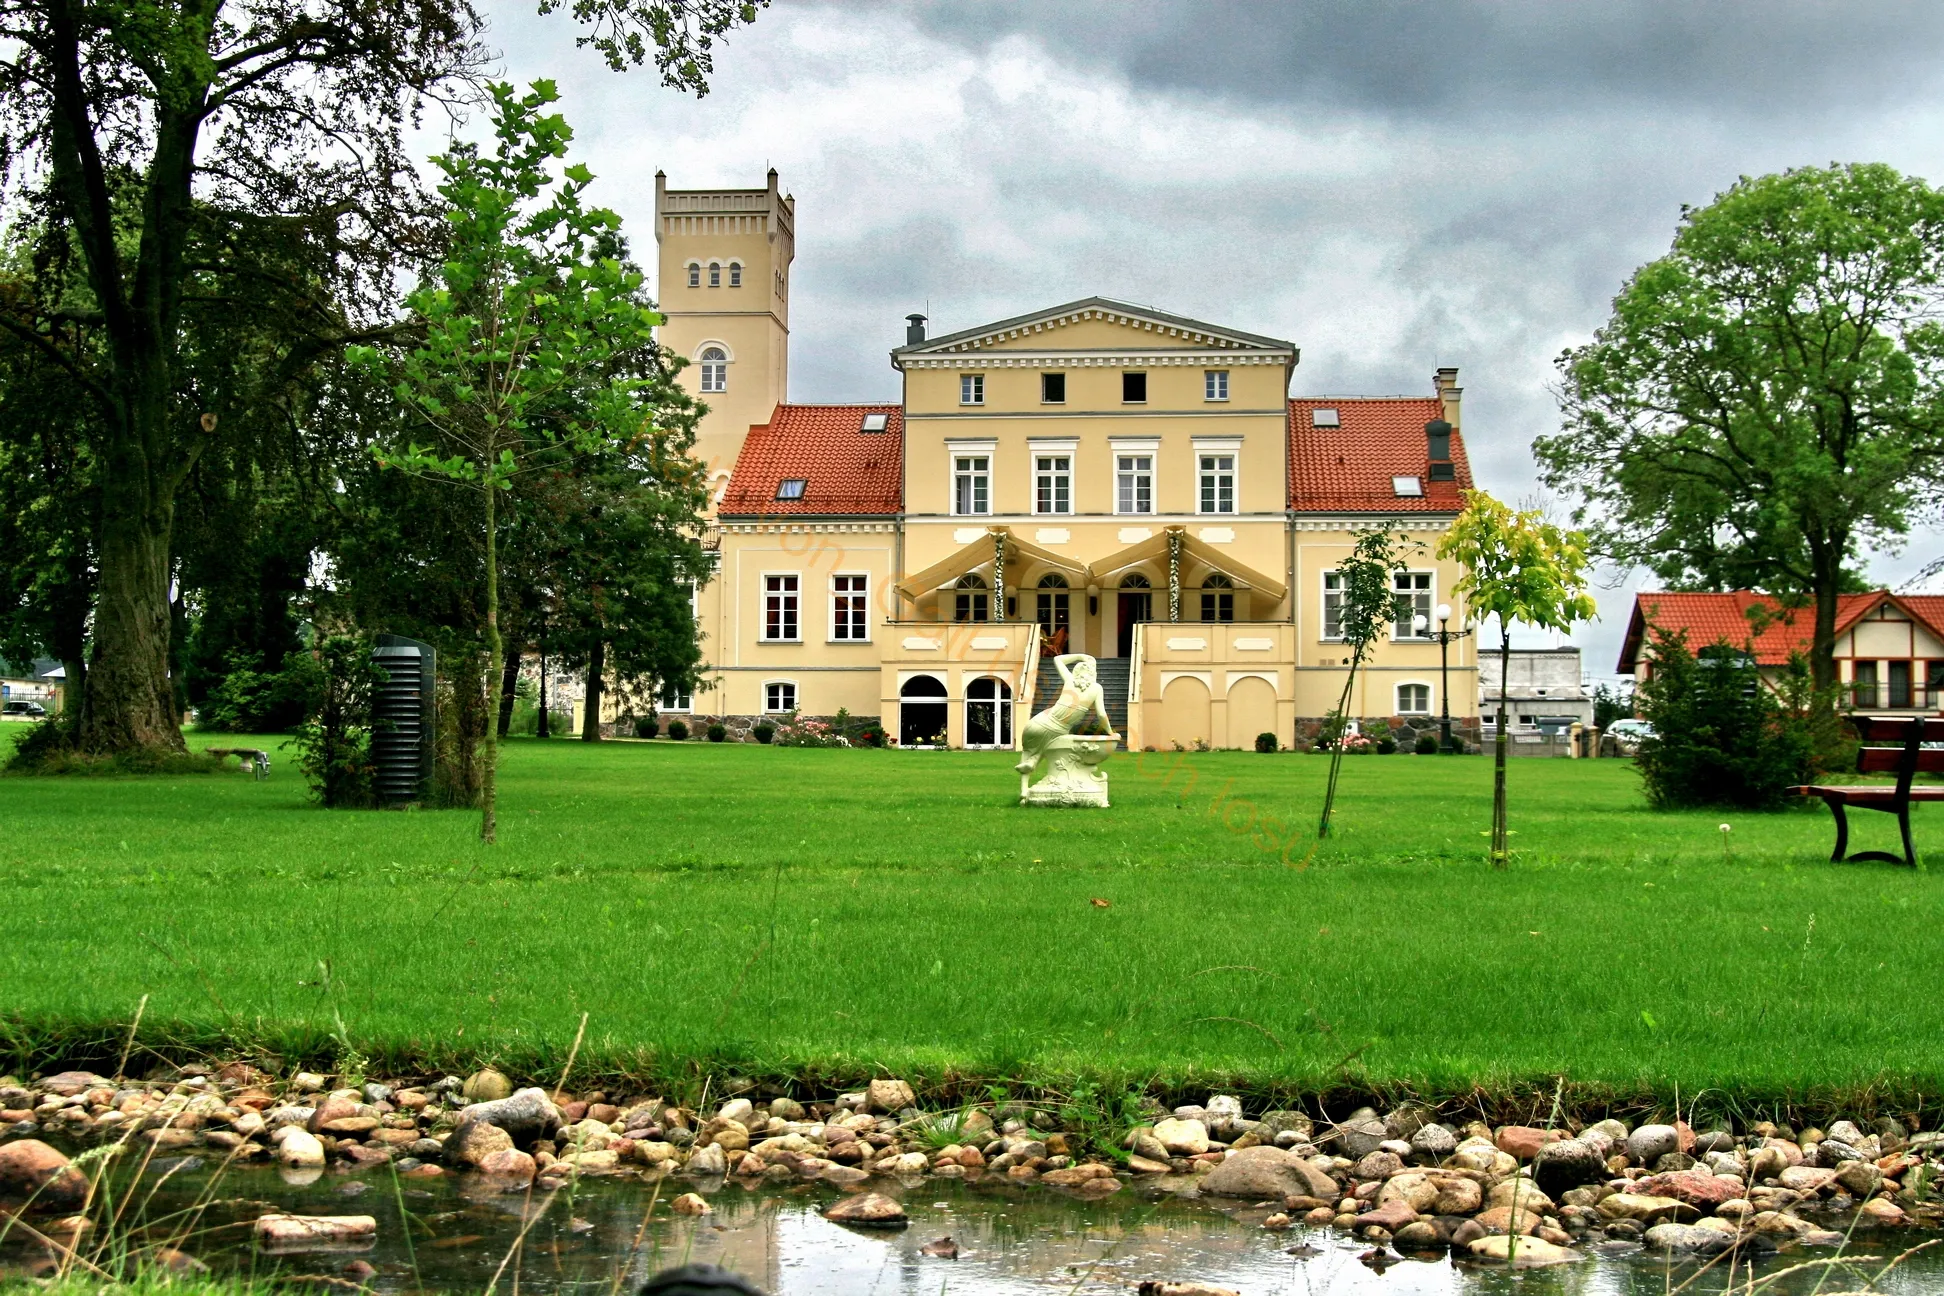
{"type": "Point", "coordinates": [509, 681]}
{"type": "Point", "coordinates": [1827, 576]}
{"type": "Point", "coordinates": [489, 774]}
{"type": "Point", "coordinates": [127, 702]}
{"type": "Point", "coordinates": [591, 709]}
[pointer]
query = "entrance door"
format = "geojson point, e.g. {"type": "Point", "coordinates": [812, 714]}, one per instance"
{"type": "Point", "coordinates": [1899, 683]}
{"type": "Point", "coordinates": [1135, 606]}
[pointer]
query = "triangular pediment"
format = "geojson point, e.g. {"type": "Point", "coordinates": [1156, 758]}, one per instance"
{"type": "Point", "coordinates": [1098, 325]}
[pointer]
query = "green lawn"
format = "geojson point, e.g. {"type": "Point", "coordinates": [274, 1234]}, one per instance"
{"type": "Point", "coordinates": [836, 912]}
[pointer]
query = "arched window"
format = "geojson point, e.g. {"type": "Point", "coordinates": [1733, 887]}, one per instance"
{"type": "Point", "coordinates": [921, 712]}
{"type": "Point", "coordinates": [1134, 580]}
{"type": "Point", "coordinates": [695, 274]}
{"type": "Point", "coordinates": [715, 370]}
{"type": "Point", "coordinates": [971, 602]}
{"type": "Point", "coordinates": [715, 274]}
{"type": "Point", "coordinates": [988, 713]}
{"type": "Point", "coordinates": [735, 274]}
{"type": "Point", "coordinates": [1218, 598]}
{"type": "Point", "coordinates": [1052, 598]}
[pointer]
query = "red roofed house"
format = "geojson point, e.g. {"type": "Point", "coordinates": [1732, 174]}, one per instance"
{"type": "Point", "coordinates": [1094, 477]}
{"type": "Point", "coordinates": [1889, 647]}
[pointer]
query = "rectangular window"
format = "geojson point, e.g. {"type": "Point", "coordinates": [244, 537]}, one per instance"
{"type": "Point", "coordinates": [971, 389]}
{"type": "Point", "coordinates": [1134, 389]}
{"type": "Point", "coordinates": [1899, 683]}
{"type": "Point", "coordinates": [1333, 605]}
{"type": "Point", "coordinates": [780, 609]}
{"type": "Point", "coordinates": [1411, 594]}
{"type": "Point", "coordinates": [1863, 684]}
{"type": "Point", "coordinates": [971, 484]}
{"type": "Point", "coordinates": [1215, 384]}
{"type": "Point", "coordinates": [1053, 389]}
{"type": "Point", "coordinates": [779, 698]}
{"type": "Point", "coordinates": [849, 604]}
{"type": "Point", "coordinates": [1218, 483]}
{"type": "Point", "coordinates": [1052, 484]}
{"type": "Point", "coordinates": [1414, 699]}
{"type": "Point", "coordinates": [1134, 485]}
{"type": "Point", "coordinates": [674, 697]}
{"type": "Point", "coordinates": [1218, 605]}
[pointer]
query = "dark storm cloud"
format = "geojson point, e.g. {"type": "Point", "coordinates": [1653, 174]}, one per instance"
{"type": "Point", "coordinates": [1758, 57]}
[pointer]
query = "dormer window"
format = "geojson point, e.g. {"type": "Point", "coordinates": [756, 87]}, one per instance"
{"type": "Point", "coordinates": [1407, 487]}
{"type": "Point", "coordinates": [1324, 418]}
{"type": "Point", "coordinates": [791, 488]}
{"type": "Point", "coordinates": [715, 274]}
{"type": "Point", "coordinates": [875, 423]}
{"type": "Point", "coordinates": [735, 274]}
{"type": "Point", "coordinates": [695, 274]}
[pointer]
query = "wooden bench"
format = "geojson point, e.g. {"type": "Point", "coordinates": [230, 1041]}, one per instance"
{"type": "Point", "coordinates": [255, 757]}
{"type": "Point", "coordinates": [1907, 757]}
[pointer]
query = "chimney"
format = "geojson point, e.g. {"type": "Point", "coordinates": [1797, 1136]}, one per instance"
{"type": "Point", "coordinates": [1449, 393]}
{"type": "Point", "coordinates": [1437, 436]}
{"type": "Point", "coordinates": [914, 329]}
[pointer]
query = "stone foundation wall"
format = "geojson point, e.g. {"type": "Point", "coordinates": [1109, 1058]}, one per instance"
{"type": "Point", "coordinates": [740, 726]}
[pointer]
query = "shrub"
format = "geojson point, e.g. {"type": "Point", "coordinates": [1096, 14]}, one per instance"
{"type": "Point", "coordinates": [334, 741]}
{"type": "Point", "coordinates": [764, 731]}
{"type": "Point", "coordinates": [1427, 745]}
{"type": "Point", "coordinates": [647, 727]}
{"type": "Point", "coordinates": [1721, 735]}
{"type": "Point", "coordinates": [1266, 742]}
{"type": "Point", "coordinates": [248, 700]}
{"type": "Point", "coordinates": [678, 731]}
{"type": "Point", "coordinates": [1386, 745]}
{"type": "Point", "coordinates": [803, 731]}
{"type": "Point", "coordinates": [871, 736]}
{"type": "Point", "coordinates": [717, 731]}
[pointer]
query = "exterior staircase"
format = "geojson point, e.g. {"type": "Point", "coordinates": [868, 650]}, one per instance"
{"type": "Point", "coordinates": [1113, 689]}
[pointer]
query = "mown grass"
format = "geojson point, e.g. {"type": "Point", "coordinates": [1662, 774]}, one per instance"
{"type": "Point", "coordinates": [832, 913]}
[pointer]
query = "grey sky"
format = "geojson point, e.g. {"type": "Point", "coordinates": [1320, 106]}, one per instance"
{"type": "Point", "coordinates": [1394, 186]}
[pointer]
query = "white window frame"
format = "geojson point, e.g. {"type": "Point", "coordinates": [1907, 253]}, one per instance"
{"type": "Point", "coordinates": [795, 701]}
{"type": "Point", "coordinates": [1128, 480]}
{"type": "Point", "coordinates": [715, 274]}
{"type": "Point", "coordinates": [1423, 600]}
{"type": "Point", "coordinates": [1058, 477]}
{"type": "Point", "coordinates": [735, 274]}
{"type": "Point", "coordinates": [859, 617]}
{"type": "Point", "coordinates": [789, 600]}
{"type": "Point", "coordinates": [713, 375]}
{"type": "Point", "coordinates": [971, 389]}
{"type": "Point", "coordinates": [1397, 697]}
{"type": "Point", "coordinates": [1220, 476]}
{"type": "Point", "coordinates": [1332, 600]}
{"type": "Point", "coordinates": [695, 274]}
{"type": "Point", "coordinates": [684, 706]}
{"type": "Point", "coordinates": [1215, 384]}
{"type": "Point", "coordinates": [980, 477]}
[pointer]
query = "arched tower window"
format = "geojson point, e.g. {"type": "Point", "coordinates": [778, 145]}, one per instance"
{"type": "Point", "coordinates": [715, 370]}
{"type": "Point", "coordinates": [735, 274]}
{"type": "Point", "coordinates": [695, 274]}
{"type": "Point", "coordinates": [715, 274]}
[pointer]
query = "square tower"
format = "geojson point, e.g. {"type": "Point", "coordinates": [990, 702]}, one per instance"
{"type": "Point", "coordinates": [724, 280]}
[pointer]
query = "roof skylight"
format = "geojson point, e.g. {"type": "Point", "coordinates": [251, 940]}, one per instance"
{"type": "Point", "coordinates": [1324, 418]}
{"type": "Point", "coordinates": [875, 422]}
{"type": "Point", "coordinates": [1410, 487]}
{"type": "Point", "coordinates": [791, 488]}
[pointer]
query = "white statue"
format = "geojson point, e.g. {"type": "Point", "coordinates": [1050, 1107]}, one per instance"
{"type": "Point", "coordinates": [1073, 776]}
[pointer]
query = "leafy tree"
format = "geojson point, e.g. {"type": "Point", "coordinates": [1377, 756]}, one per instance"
{"type": "Point", "coordinates": [1769, 396]}
{"type": "Point", "coordinates": [1367, 604]}
{"type": "Point", "coordinates": [168, 144]}
{"type": "Point", "coordinates": [1610, 704]}
{"type": "Point", "coordinates": [519, 334]}
{"type": "Point", "coordinates": [1518, 567]}
{"type": "Point", "coordinates": [1722, 736]}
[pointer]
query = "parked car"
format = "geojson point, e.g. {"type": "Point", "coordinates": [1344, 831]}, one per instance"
{"type": "Point", "coordinates": [23, 709]}
{"type": "Point", "coordinates": [1630, 732]}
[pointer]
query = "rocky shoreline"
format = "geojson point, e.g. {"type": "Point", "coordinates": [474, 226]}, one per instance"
{"type": "Point", "coordinates": [1399, 1180]}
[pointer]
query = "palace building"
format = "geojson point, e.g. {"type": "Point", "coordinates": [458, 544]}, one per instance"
{"type": "Point", "coordinates": [1093, 477]}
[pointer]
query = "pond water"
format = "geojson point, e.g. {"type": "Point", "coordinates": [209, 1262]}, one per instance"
{"type": "Point", "coordinates": [453, 1235]}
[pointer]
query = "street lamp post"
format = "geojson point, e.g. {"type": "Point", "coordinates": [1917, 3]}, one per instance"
{"type": "Point", "coordinates": [1445, 636]}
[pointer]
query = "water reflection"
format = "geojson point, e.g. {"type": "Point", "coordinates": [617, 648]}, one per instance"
{"type": "Point", "coordinates": [456, 1234]}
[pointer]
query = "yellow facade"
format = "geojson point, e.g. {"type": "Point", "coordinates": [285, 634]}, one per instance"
{"type": "Point", "coordinates": [1106, 472]}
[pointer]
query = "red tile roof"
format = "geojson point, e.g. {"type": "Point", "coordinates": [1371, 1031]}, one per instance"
{"type": "Point", "coordinates": [1723, 618]}
{"type": "Point", "coordinates": [1348, 469]}
{"type": "Point", "coordinates": [846, 471]}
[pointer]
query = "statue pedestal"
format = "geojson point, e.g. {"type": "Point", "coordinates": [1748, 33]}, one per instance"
{"type": "Point", "coordinates": [1073, 776]}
